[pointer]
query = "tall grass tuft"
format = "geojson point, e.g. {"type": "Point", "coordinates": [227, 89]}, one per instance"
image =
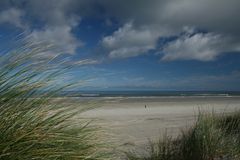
{"type": "Point", "coordinates": [32, 125]}
{"type": "Point", "coordinates": [213, 137]}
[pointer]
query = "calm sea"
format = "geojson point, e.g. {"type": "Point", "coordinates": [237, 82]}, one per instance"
{"type": "Point", "coordinates": [148, 93]}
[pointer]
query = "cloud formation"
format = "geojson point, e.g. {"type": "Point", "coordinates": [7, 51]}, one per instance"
{"type": "Point", "coordinates": [199, 46]}
{"type": "Point", "coordinates": [50, 21]}
{"type": "Point", "coordinates": [166, 18]}
{"type": "Point", "coordinates": [60, 36]}
{"type": "Point", "coordinates": [12, 16]}
{"type": "Point", "coordinates": [129, 42]}
{"type": "Point", "coordinates": [141, 24]}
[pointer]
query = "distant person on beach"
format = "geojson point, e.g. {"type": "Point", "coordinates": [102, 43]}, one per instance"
{"type": "Point", "coordinates": [145, 106]}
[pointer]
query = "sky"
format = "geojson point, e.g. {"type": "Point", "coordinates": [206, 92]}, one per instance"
{"type": "Point", "coordinates": [177, 45]}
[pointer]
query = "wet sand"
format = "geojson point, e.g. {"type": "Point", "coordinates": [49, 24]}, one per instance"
{"type": "Point", "coordinates": [128, 122]}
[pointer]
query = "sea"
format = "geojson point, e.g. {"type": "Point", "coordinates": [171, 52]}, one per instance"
{"type": "Point", "coordinates": [150, 93]}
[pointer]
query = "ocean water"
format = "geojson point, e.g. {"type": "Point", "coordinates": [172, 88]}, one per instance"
{"type": "Point", "coordinates": [149, 93]}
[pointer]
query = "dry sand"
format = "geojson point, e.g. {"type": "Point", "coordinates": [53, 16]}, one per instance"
{"type": "Point", "coordinates": [128, 122]}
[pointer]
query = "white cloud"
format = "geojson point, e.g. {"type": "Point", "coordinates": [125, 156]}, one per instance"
{"type": "Point", "coordinates": [12, 16]}
{"type": "Point", "coordinates": [60, 36]}
{"type": "Point", "coordinates": [150, 21]}
{"type": "Point", "coordinates": [129, 42]}
{"type": "Point", "coordinates": [200, 46]}
{"type": "Point", "coordinates": [58, 24]}
{"type": "Point", "coordinates": [49, 21]}
{"type": "Point", "coordinates": [164, 18]}
{"type": "Point", "coordinates": [129, 52]}
{"type": "Point", "coordinates": [85, 62]}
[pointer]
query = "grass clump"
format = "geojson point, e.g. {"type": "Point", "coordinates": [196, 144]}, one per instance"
{"type": "Point", "coordinates": [31, 125]}
{"type": "Point", "coordinates": [213, 137]}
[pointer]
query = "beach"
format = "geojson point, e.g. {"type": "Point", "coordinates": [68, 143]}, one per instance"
{"type": "Point", "coordinates": [128, 122]}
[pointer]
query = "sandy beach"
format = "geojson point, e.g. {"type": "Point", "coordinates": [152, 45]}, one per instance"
{"type": "Point", "coordinates": [128, 121]}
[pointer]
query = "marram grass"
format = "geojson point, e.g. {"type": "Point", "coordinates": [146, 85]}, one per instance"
{"type": "Point", "coordinates": [213, 137]}
{"type": "Point", "coordinates": [32, 126]}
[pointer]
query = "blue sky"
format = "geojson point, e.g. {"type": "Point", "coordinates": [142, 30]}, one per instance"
{"type": "Point", "coordinates": [138, 44]}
